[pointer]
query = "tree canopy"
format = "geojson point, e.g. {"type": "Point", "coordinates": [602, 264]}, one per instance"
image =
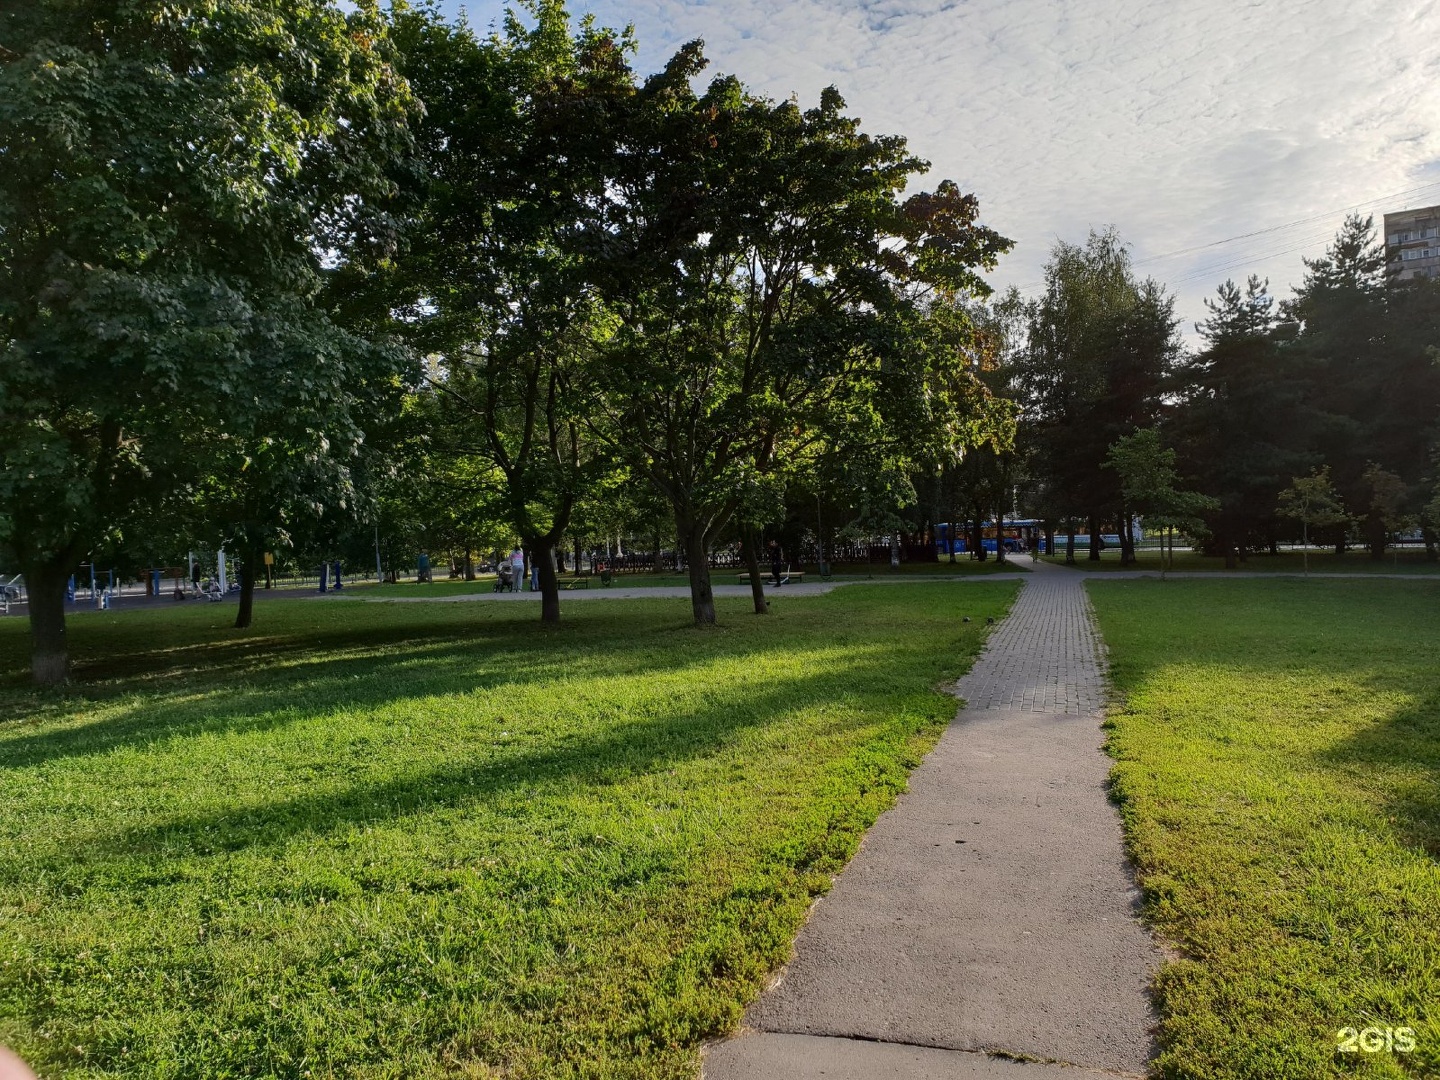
{"type": "Point", "coordinates": [176, 181]}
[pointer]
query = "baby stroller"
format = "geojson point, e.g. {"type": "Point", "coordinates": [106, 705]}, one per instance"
{"type": "Point", "coordinates": [505, 578]}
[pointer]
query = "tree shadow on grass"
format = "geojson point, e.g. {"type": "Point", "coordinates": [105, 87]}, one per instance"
{"type": "Point", "coordinates": [1402, 754]}
{"type": "Point", "coordinates": [375, 667]}
{"type": "Point", "coordinates": [129, 651]}
{"type": "Point", "coordinates": [614, 755]}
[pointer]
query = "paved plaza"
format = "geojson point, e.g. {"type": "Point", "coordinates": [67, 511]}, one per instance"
{"type": "Point", "coordinates": [990, 916]}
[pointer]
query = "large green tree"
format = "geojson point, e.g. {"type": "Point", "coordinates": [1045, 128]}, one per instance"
{"type": "Point", "coordinates": [517, 145]}
{"type": "Point", "coordinates": [1243, 422]}
{"type": "Point", "coordinates": [1100, 345]}
{"type": "Point", "coordinates": [175, 181]}
{"type": "Point", "coordinates": [1365, 344]}
{"type": "Point", "coordinates": [769, 287]}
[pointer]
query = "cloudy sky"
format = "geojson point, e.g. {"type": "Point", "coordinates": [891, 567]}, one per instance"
{"type": "Point", "coordinates": [1185, 123]}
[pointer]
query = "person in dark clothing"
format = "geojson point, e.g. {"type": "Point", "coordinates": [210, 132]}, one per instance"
{"type": "Point", "coordinates": [777, 561]}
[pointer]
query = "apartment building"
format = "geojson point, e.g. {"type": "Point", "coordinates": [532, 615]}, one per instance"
{"type": "Point", "coordinates": [1412, 244]}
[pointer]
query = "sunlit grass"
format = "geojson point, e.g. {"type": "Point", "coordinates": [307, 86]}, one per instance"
{"type": "Point", "coordinates": [413, 840]}
{"type": "Point", "coordinates": [1279, 772]}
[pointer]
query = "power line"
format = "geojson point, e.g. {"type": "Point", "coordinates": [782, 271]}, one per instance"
{"type": "Point", "coordinates": [1235, 260]}
{"type": "Point", "coordinates": [1288, 225]}
{"type": "Point", "coordinates": [1191, 275]}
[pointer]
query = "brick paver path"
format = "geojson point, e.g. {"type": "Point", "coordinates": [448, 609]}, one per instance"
{"type": "Point", "coordinates": [1046, 657]}
{"type": "Point", "coordinates": [989, 915]}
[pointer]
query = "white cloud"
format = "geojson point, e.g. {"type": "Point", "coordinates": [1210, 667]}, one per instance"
{"type": "Point", "coordinates": [1182, 122]}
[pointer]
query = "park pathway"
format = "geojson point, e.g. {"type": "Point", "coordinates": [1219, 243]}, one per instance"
{"type": "Point", "coordinates": [990, 915]}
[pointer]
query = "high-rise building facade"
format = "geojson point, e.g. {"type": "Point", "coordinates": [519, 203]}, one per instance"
{"type": "Point", "coordinates": [1412, 244]}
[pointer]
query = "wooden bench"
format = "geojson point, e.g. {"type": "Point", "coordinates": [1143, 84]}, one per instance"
{"type": "Point", "coordinates": [576, 583]}
{"type": "Point", "coordinates": [786, 576]}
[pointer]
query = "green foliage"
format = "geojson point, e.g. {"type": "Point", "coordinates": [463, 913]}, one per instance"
{"type": "Point", "coordinates": [429, 840]}
{"type": "Point", "coordinates": [1244, 426]}
{"type": "Point", "coordinates": [1376, 393]}
{"type": "Point", "coordinates": [1388, 497]}
{"type": "Point", "coordinates": [1277, 763]}
{"type": "Point", "coordinates": [774, 296]}
{"type": "Point", "coordinates": [1146, 468]}
{"type": "Point", "coordinates": [176, 179]}
{"type": "Point", "coordinates": [1147, 480]}
{"type": "Point", "coordinates": [1313, 500]}
{"type": "Point", "coordinates": [1099, 345]}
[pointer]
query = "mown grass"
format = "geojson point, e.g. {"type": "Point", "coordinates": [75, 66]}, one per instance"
{"type": "Point", "coordinates": [1278, 767]}
{"type": "Point", "coordinates": [419, 841]}
{"type": "Point", "coordinates": [1408, 561]}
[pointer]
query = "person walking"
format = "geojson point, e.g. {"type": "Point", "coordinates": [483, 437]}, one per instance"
{"type": "Point", "coordinates": [517, 568]}
{"type": "Point", "coordinates": [777, 561]}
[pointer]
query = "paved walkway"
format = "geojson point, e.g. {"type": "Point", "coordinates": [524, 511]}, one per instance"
{"type": "Point", "coordinates": [990, 916]}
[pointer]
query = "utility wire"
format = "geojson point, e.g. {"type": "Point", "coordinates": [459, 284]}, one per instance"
{"type": "Point", "coordinates": [1328, 214]}
{"type": "Point", "coordinates": [1287, 225]}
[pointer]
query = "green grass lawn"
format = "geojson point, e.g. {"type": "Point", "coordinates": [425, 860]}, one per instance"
{"type": "Point", "coordinates": [411, 841]}
{"type": "Point", "coordinates": [1278, 767]}
{"type": "Point", "coordinates": [1408, 561]}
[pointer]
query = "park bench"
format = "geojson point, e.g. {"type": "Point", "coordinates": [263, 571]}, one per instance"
{"type": "Point", "coordinates": [576, 583]}
{"type": "Point", "coordinates": [787, 576]}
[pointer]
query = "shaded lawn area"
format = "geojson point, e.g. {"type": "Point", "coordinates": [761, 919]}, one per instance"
{"type": "Point", "coordinates": [1278, 768]}
{"type": "Point", "coordinates": [413, 841]}
{"type": "Point", "coordinates": [1408, 561]}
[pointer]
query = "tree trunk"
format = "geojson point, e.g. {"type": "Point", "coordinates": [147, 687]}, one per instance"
{"type": "Point", "coordinates": [1376, 530]}
{"type": "Point", "coordinates": [1432, 551]}
{"type": "Point", "coordinates": [697, 559]}
{"type": "Point", "coordinates": [1227, 546]}
{"type": "Point", "coordinates": [1127, 538]}
{"type": "Point", "coordinates": [1050, 540]}
{"type": "Point", "coordinates": [977, 534]}
{"type": "Point", "coordinates": [49, 651]}
{"type": "Point", "coordinates": [542, 555]}
{"type": "Point", "coordinates": [250, 561]}
{"type": "Point", "coordinates": [750, 548]}
{"type": "Point", "coordinates": [1094, 524]}
{"type": "Point", "coordinates": [469, 565]}
{"type": "Point", "coordinates": [999, 534]}
{"type": "Point", "coordinates": [1070, 543]}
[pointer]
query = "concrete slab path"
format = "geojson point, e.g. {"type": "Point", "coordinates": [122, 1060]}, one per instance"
{"type": "Point", "coordinates": [990, 915]}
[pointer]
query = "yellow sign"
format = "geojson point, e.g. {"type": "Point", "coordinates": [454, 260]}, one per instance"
{"type": "Point", "coordinates": [269, 558]}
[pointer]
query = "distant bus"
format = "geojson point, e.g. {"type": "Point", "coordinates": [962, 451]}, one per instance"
{"type": "Point", "coordinates": [1019, 534]}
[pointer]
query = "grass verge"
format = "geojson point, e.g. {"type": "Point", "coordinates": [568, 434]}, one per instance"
{"type": "Point", "coordinates": [414, 841]}
{"type": "Point", "coordinates": [1409, 561]}
{"type": "Point", "coordinates": [1278, 769]}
